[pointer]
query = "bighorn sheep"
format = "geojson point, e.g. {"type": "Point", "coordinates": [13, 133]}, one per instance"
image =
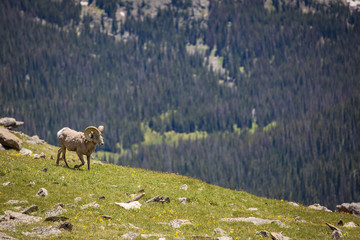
{"type": "Point", "coordinates": [83, 143]}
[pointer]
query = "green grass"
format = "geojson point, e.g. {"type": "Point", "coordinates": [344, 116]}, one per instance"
{"type": "Point", "coordinates": [208, 203]}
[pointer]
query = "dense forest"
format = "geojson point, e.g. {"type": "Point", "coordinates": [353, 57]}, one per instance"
{"type": "Point", "coordinates": [282, 65]}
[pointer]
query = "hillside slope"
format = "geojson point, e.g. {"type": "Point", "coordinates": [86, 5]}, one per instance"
{"type": "Point", "coordinates": [219, 68]}
{"type": "Point", "coordinates": [207, 207]}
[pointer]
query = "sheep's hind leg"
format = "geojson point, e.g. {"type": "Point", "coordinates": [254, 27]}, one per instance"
{"type": "Point", "coordinates": [81, 159]}
{"type": "Point", "coordinates": [64, 152]}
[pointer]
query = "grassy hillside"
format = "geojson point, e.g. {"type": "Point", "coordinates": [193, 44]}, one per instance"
{"type": "Point", "coordinates": [207, 206]}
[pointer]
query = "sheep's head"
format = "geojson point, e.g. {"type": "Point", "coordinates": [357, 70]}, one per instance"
{"type": "Point", "coordinates": [94, 134]}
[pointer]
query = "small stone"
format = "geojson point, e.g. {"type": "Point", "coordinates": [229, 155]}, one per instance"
{"type": "Point", "coordinates": [220, 231]}
{"type": "Point", "coordinates": [102, 197]}
{"type": "Point", "coordinates": [3, 236]}
{"type": "Point", "coordinates": [66, 226]}
{"type": "Point", "coordinates": [336, 234]}
{"type": "Point", "coordinates": [39, 156]}
{"type": "Point", "coordinates": [44, 170]}
{"type": "Point", "coordinates": [128, 206]}
{"type": "Point", "coordinates": [252, 209]}
{"type": "Point", "coordinates": [6, 184]}
{"type": "Point", "coordinates": [25, 151]}
{"type": "Point", "coordinates": [42, 192]}
{"type": "Point", "coordinates": [340, 223]}
{"type": "Point", "coordinates": [42, 232]}
{"type": "Point", "coordinates": [35, 140]}
{"type": "Point", "coordinates": [58, 209]}
{"type": "Point", "coordinates": [92, 204]}
{"type": "Point", "coordinates": [184, 187]}
{"type": "Point", "coordinates": [183, 200]}
{"type": "Point", "coordinates": [31, 183]}
{"type": "Point", "coordinates": [177, 223]}
{"type": "Point", "coordinates": [278, 236]}
{"type": "Point", "coordinates": [106, 217]}
{"type": "Point", "coordinates": [78, 199]}
{"type": "Point", "coordinates": [2, 149]}
{"type": "Point", "coordinates": [30, 209]}
{"type": "Point", "coordinates": [294, 204]}
{"type": "Point", "coordinates": [13, 202]}
{"type": "Point", "coordinates": [55, 218]}
{"type": "Point", "coordinates": [263, 233]}
{"type": "Point", "coordinates": [102, 228]}
{"type": "Point", "coordinates": [130, 235]}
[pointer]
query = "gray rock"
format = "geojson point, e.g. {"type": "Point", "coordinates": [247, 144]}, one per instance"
{"type": "Point", "coordinates": [58, 209]}
{"type": "Point", "coordinates": [12, 219]}
{"type": "Point", "coordinates": [7, 139]}
{"type": "Point", "coordinates": [256, 221]}
{"type": "Point", "coordinates": [15, 202]}
{"type": "Point", "coordinates": [31, 209]}
{"type": "Point", "coordinates": [92, 204]}
{"type": "Point", "coordinates": [42, 192]}
{"type": "Point", "coordinates": [35, 140]}
{"type": "Point", "coordinates": [177, 223]}
{"type": "Point", "coordinates": [66, 226]}
{"type": "Point", "coordinates": [352, 208]}
{"type": "Point", "coordinates": [25, 151]}
{"type": "Point", "coordinates": [317, 206]}
{"type": "Point", "coordinates": [6, 184]}
{"type": "Point", "coordinates": [38, 156]}
{"type": "Point", "coordinates": [278, 236]}
{"type": "Point", "coordinates": [350, 225]}
{"type": "Point", "coordinates": [184, 187]}
{"type": "Point", "coordinates": [336, 234]}
{"type": "Point", "coordinates": [220, 232]}
{"type": "Point", "coordinates": [42, 232]}
{"type": "Point", "coordinates": [55, 219]}
{"type": "Point", "coordinates": [183, 200]}
{"type": "Point", "coordinates": [78, 199]}
{"type": "Point", "coordinates": [10, 123]}
{"type": "Point", "coordinates": [3, 236]}
{"type": "Point", "coordinates": [263, 233]}
{"type": "Point", "coordinates": [128, 206]}
{"type": "Point", "coordinates": [130, 235]}
{"type": "Point", "coordinates": [294, 204]}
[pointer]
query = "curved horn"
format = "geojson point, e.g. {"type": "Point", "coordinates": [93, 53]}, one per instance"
{"type": "Point", "coordinates": [90, 129]}
{"type": "Point", "coordinates": [101, 128]}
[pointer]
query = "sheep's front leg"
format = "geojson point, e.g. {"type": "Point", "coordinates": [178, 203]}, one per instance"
{"type": "Point", "coordinates": [58, 156]}
{"type": "Point", "coordinates": [63, 151]}
{"type": "Point", "coordinates": [81, 159]}
{"type": "Point", "coordinates": [88, 161]}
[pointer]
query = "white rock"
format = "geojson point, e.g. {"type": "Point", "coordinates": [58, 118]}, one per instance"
{"type": "Point", "coordinates": [184, 187]}
{"type": "Point", "coordinates": [42, 192]}
{"type": "Point", "coordinates": [6, 184]}
{"type": "Point", "coordinates": [350, 225]}
{"type": "Point", "coordinates": [13, 202]}
{"type": "Point", "coordinates": [78, 199]}
{"type": "Point", "coordinates": [128, 206]}
{"type": "Point", "coordinates": [294, 204]}
{"type": "Point", "coordinates": [130, 235]}
{"type": "Point", "coordinates": [92, 204]}
{"type": "Point", "coordinates": [183, 200]}
{"type": "Point", "coordinates": [25, 151]}
{"type": "Point", "coordinates": [256, 221]}
{"type": "Point", "coordinates": [317, 206]}
{"type": "Point", "coordinates": [252, 209]}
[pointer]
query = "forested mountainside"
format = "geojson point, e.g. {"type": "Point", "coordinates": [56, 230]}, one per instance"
{"type": "Point", "coordinates": [273, 84]}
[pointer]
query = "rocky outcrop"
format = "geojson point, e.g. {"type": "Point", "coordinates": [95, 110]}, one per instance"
{"type": "Point", "coordinates": [352, 208]}
{"type": "Point", "coordinates": [9, 140]}
{"type": "Point", "coordinates": [10, 123]}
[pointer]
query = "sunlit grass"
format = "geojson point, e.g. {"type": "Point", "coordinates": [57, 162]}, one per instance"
{"type": "Point", "coordinates": [207, 204]}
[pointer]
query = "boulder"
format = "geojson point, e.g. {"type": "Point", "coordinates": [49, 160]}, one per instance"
{"type": "Point", "coordinates": [11, 219]}
{"type": "Point", "coordinates": [35, 140]}
{"type": "Point", "coordinates": [352, 208]}
{"type": "Point", "coordinates": [7, 139]}
{"type": "Point", "coordinates": [10, 123]}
